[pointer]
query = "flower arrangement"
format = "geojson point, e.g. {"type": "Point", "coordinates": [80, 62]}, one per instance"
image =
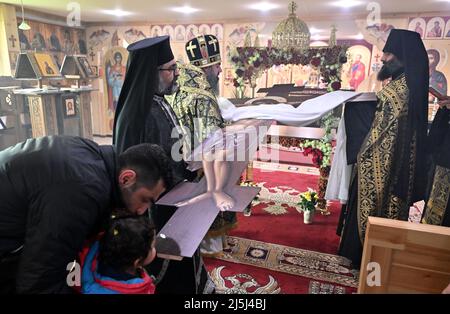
{"type": "Point", "coordinates": [308, 200]}
{"type": "Point", "coordinates": [250, 62]}
{"type": "Point", "coordinates": [321, 151]}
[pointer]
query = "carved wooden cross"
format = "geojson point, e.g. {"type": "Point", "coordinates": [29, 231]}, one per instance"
{"type": "Point", "coordinates": [92, 54]}
{"type": "Point", "coordinates": [191, 48]}
{"type": "Point", "coordinates": [13, 41]}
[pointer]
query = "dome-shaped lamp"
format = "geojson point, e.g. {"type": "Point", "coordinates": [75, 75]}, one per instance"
{"type": "Point", "coordinates": [24, 26]}
{"type": "Point", "coordinates": [291, 32]}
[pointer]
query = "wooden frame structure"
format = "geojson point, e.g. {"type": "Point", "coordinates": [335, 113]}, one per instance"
{"type": "Point", "coordinates": [412, 257]}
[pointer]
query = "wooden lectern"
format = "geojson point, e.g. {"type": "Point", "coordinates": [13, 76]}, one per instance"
{"type": "Point", "coordinates": [42, 102]}
{"type": "Point", "coordinates": [77, 68]}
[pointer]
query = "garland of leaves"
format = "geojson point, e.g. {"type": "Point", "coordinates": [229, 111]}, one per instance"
{"type": "Point", "coordinates": [322, 151]}
{"type": "Point", "coordinates": [250, 62]}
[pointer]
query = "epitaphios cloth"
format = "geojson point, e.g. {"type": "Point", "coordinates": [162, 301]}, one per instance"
{"type": "Point", "coordinates": [307, 113]}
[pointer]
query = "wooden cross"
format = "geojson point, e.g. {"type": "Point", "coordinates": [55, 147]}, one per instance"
{"type": "Point", "coordinates": [191, 48]}
{"type": "Point", "coordinates": [92, 54]}
{"type": "Point", "coordinates": [213, 41]}
{"type": "Point", "coordinates": [13, 40]}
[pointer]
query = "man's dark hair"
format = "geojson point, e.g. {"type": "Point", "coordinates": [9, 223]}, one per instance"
{"type": "Point", "coordinates": [127, 238]}
{"type": "Point", "coordinates": [150, 163]}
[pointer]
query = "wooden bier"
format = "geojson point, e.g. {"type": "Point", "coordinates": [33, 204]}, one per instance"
{"type": "Point", "coordinates": [296, 132]}
{"type": "Point", "coordinates": [281, 93]}
{"type": "Point", "coordinates": [279, 154]}
{"type": "Point", "coordinates": [413, 258]}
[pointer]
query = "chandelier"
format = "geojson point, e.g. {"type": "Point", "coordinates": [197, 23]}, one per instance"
{"type": "Point", "coordinates": [291, 32]}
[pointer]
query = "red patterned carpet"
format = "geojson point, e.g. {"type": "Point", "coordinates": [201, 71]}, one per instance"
{"type": "Point", "coordinates": [273, 251]}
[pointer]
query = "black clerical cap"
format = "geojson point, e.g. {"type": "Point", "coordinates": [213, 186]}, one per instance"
{"type": "Point", "coordinates": [159, 45]}
{"type": "Point", "coordinates": [402, 43]}
{"type": "Point", "coordinates": [203, 51]}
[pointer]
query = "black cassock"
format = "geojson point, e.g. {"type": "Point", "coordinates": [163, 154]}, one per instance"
{"type": "Point", "coordinates": [391, 165]}
{"type": "Point", "coordinates": [360, 117]}
{"type": "Point", "coordinates": [188, 276]}
{"type": "Point", "coordinates": [437, 211]}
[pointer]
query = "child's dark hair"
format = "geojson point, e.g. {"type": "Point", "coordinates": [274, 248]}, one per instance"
{"type": "Point", "coordinates": [128, 238]}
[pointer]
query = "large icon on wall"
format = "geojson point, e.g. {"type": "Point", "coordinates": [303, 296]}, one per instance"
{"type": "Point", "coordinates": [447, 30]}
{"type": "Point", "coordinates": [47, 65]}
{"type": "Point", "coordinates": [115, 68]}
{"type": "Point", "coordinates": [180, 33]}
{"type": "Point", "coordinates": [355, 71]}
{"type": "Point", "coordinates": [435, 28]}
{"type": "Point", "coordinates": [191, 32]}
{"type": "Point", "coordinates": [168, 31]}
{"type": "Point", "coordinates": [418, 25]}
{"type": "Point", "coordinates": [204, 29]}
{"type": "Point", "coordinates": [156, 31]}
{"type": "Point", "coordinates": [38, 42]}
{"type": "Point", "coordinates": [437, 79]}
{"type": "Point", "coordinates": [217, 30]}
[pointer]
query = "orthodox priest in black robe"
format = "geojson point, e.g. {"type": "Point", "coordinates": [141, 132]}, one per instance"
{"type": "Point", "coordinates": [437, 211]}
{"type": "Point", "coordinates": [390, 175]}
{"type": "Point", "coordinates": [144, 116]}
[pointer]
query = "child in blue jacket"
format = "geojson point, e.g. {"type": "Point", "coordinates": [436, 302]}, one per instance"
{"type": "Point", "coordinates": [114, 264]}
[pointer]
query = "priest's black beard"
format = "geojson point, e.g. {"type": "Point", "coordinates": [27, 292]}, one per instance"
{"type": "Point", "coordinates": [164, 89]}
{"type": "Point", "coordinates": [390, 69]}
{"type": "Point", "coordinates": [213, 81]}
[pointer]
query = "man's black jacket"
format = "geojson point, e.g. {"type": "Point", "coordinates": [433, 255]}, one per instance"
{"type": "Point", "coordinates": [54, 193]}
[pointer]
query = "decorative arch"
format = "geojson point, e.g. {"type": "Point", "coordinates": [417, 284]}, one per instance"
{"type": "Point", "coordinates": [250, 62]}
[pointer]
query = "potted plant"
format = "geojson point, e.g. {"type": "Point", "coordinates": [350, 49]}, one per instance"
{"type": "Point", "coordinates": [308, 202]}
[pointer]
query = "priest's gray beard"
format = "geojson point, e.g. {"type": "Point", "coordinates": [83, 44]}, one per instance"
{"type": "Point", "coordinates": [167, 89]}
{"type": "Point", "coordinates": [213, 80]}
